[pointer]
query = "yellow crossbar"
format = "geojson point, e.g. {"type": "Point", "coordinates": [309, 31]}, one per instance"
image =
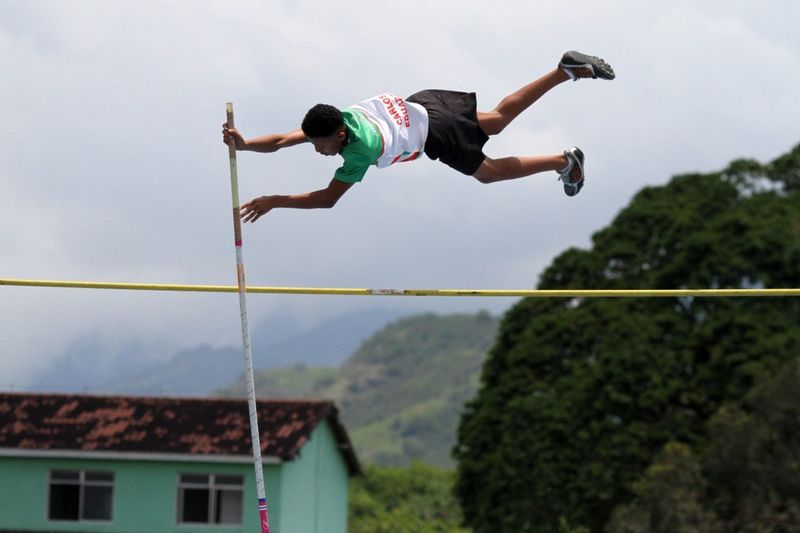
{"type": "Point", "coordinates": [531, 293]}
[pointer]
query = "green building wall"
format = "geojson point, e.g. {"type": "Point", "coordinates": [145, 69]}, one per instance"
{"type": "Point", "coordinates": [308, 494]}
{"type": "Point", "coordinates": [320, 476]}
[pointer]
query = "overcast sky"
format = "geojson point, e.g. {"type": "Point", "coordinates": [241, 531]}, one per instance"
{"type": "Point", "coordinates": [112, 166]}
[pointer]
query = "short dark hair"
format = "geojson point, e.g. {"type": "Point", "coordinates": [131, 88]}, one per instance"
{"type": "Point", "coordinates": [322, 120]}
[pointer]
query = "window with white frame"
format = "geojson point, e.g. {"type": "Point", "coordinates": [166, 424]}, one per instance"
{"type": "Point", "coordinates": [210, 499]}
{"type": "Point", "coordinates": [80, 495]}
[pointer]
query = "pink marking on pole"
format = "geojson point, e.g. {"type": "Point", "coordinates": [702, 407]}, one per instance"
{"type": "Point", "coordinates": [262, 509]}
{"type": "Point", "coordinates": [238, 243]}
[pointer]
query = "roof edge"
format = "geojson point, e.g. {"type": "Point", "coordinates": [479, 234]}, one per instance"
{"type": "Point", "coordinates": [343, 440]}
{"type": "Point", "coordinates": [135, 456]}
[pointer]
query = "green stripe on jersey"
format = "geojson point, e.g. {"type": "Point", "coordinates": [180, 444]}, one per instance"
{"type": "Point", "coordinates": [364, 147]}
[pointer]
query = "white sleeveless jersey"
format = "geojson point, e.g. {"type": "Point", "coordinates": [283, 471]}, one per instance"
{"type": "Point", "coordinates": [402, 125]}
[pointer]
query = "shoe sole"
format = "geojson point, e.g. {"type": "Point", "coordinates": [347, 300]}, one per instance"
{"type": "Point", "coordinates": [574, 187]}
{"type": "Point", "coordinates": [573, 190]}
{"type": "Point", "coordinates": [601, 69]}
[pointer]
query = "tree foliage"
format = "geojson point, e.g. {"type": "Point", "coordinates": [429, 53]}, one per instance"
{"type": "Point", "coordinates": [746, 480]}
{"type": "Point", "coordinates": [416, 499]}
{"type": "Point", "coordinates": [578, 396]}
{"type": "Point", "coordinates": [752, 464]}
{"type": "Point", "coordinates": [668, 498]}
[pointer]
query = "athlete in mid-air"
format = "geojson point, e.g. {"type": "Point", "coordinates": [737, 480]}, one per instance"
{"type": "Point", "coordinates": [445, 125]}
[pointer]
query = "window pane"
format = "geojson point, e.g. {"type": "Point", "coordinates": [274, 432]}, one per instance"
{"type": "Point", "coordinates": [197, 479]}
{"type": "Point", "coordinates": [96, 503]}
{"type": "Point", "coordinates": [64, 502]}
{"type": "Point", "coordinates": [195, 506]}
{"type": "Point", "coordinates": [100, 476]}
{"type": "Point", "coordinates": [65, 475]}
{"type": "Point", "coordinates": [236, 481]}
{"type": "Point", "coordinates": [229, 507]}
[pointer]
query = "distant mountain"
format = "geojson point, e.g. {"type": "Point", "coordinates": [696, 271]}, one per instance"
{"type": "Point", "coordinates": [296, 381]}
{"type": "Point", "coordinates": [327, 344]}
{"type": "Point", "coordinates": [191, 372]}
{"type": "Point", "coordinates": [94, 359]}
{"type": "Point", "coordinates": [93, 364]}
{"type": "Point", "coordinates": [401, 393]}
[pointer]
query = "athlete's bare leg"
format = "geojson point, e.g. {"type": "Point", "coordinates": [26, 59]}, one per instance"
{"type": "Point", "coordinates": [573, 65]}
{"type": "Point", "coordinates": [509, 108]}
{"type": "Point", "coordinates": [509, 168]}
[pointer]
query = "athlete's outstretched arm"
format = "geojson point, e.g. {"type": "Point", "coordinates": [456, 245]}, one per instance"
{"type": "Point", "coordinates": [323, 198]}
{"type": "Point", "coordinates": [264, 143]}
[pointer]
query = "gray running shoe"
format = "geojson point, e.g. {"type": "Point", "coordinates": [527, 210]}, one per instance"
{"type": "Point", "coordinates": [579, 65]}
{"type": "Point", "coordinates": [572, 175]}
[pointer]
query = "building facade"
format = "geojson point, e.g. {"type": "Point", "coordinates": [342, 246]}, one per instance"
{"type": "Point", "coordinates": [163, 465]}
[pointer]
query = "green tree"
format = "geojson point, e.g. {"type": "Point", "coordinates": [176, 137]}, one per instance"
{"type": "Point", "coordinates": [578, 396]}
{"type": "Point", "coordinates": [416, 499]}
{"type": "Point", "coordinates": [668, 498]}
{"type": "Point", "coordinates": [753, 461]}
{"type": "Point", "coordinates": [746, 480]}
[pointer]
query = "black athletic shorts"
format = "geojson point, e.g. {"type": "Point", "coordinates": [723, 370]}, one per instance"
{"type": "Point", "coordinates": [454, 136]}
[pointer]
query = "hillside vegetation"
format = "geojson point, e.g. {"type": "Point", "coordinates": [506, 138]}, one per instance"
{"type": "Point", "coordinates": [401, 393]}
{"type": "Point", "coordinates": [414, 499]}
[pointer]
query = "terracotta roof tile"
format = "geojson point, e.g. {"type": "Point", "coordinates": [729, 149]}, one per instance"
{"type": "Point", "coordinates": [197, 426]}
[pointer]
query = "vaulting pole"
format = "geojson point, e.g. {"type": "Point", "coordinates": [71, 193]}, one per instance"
{"type": "Point", "coordinates": [248, 354]}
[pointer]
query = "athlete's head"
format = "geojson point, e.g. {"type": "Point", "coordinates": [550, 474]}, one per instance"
{"type": "Point", "coordinates": [323, 125]}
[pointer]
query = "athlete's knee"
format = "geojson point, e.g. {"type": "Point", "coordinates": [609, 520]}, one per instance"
{"type": "Point", "coordinates": [485, 172]}
{"type": "Point", "coordinates": [491, 122]}
{"type": "Point", "coordinates": [499, 124]}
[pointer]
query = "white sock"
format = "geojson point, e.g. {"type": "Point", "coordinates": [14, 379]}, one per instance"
{"type": "Point", "coordinates": [569, 166]}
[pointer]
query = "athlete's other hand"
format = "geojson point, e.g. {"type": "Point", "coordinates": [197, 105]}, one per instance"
{"type": "Point", "coordinates": [255, 208]}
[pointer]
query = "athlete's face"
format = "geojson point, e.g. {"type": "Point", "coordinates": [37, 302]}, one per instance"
{"type": "Point", "coordinates": [331, 145]}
